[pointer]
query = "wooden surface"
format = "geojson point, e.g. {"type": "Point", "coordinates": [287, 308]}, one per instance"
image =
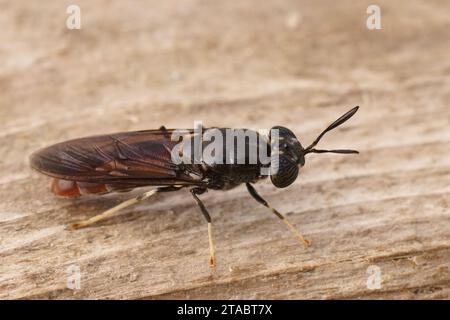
{"type": "Point", "coordinates": [300, 64]}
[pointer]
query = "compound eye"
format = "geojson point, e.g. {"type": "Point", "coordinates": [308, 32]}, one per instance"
{"type": "Point", "coordinates": [284, 170]}
{"type": "Point", "coordinates": [288, 143]}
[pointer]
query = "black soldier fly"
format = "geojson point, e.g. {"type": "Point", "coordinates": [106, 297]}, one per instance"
{"type": "Point", "coordinates": [123, 161]}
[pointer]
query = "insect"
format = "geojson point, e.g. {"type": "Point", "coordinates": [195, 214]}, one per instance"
{"type": "Point", "coordinates": [124, 161]}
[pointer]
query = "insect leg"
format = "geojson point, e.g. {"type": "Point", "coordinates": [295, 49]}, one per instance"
{"type": "Point", "coordinates": [113, 210]}
{"type": "Point", "coordinates": [258, 198]}
{"type": "Point", "coordinates": [212, 258]}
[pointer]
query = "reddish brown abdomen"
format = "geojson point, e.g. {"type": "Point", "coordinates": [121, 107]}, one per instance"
{"type": "Point", "coordinates": [73, 189]}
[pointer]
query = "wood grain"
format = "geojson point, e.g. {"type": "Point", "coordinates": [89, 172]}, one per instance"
{"type": "Point", "coordinates": [300, 64]}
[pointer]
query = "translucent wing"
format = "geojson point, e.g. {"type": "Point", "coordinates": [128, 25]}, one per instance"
{"type": "Point", "coordinates": [139, 158]}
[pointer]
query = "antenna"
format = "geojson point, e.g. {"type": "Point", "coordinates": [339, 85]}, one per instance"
{"type": "Point", "coordinates": [338, 122]}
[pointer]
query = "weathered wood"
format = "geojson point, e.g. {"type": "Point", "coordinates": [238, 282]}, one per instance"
{"type": "Point", "coordinates": [240, 64]}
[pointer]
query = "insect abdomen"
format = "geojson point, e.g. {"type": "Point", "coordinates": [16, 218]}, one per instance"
{"type": "Point", "coordinates": [73, 189]}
